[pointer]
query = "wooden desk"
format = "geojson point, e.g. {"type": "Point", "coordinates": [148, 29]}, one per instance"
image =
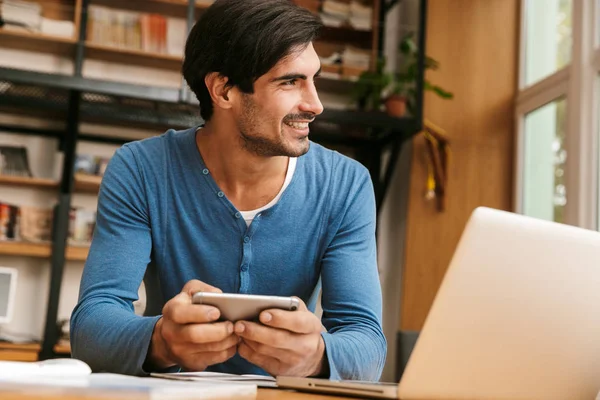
{"type": "Point", "coordinates": [28, 393]}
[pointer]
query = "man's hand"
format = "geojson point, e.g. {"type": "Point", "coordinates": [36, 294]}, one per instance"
{"type": "Point", "coordinates": [187, 334]}
{"type": "Point", "coordinates": [286, 343]}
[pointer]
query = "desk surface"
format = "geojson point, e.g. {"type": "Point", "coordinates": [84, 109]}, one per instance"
{"type": "Point", "coordinates": [28, 393]}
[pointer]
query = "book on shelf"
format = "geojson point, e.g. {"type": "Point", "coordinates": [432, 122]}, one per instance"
{"type": "Point", "coordinates": [147, 32]}
{"type": "Point", "coordinates": [90, 165]}
{"type": "Point", "coordinates": [355, 14]}
{"type": "Point", "coordinates": [25, 223]}
{"type": "Point", "coordinates": [9, 222]}
{"type": "Point", "coordinates": [28, 16]}
{"type": "Point", "coordinates": [14, 161]}
{"type": "Point", "coordinates": [81, 226]}
{"type": "Point", "coordinates": [35, 224]}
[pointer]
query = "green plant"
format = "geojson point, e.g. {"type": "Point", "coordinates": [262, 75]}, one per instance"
{"type": "Point", "coordinates": [370, 85]}
{"type": "Point", "coordinates": [374, 87]}
{"type": "Point", "coordinates": [405, 80]}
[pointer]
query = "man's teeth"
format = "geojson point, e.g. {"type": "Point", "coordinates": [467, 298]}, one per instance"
{"type": "Point", "coordinates": [298, 125]}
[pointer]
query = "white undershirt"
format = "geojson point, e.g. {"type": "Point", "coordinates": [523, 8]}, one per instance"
{"type": "Point", "coordinates": [249, 215]}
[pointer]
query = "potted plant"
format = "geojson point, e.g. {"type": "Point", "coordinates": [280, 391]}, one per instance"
{"type": "Point", "coordinates": [370, 85]}
{"type": "Point", "coordinates": [402, 95]}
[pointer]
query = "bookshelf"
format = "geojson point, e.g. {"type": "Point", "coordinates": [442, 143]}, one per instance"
{"type": "Point", "coordinates": [77, 253]}
{"type": "Point", "coordinates": [63, 348]}
{"type": "Point", "coordinates": [87, 183]}
{"type": "Point", "coordinates": [75, 99]}
{"type": "Point", "coordinates": [41, 250]}
{"type": "Point", "coordinates": [19, 352]}
{"type": "Point", "coordinates": [33, 41]}
{"type": "Point", "coordinates": [23, 181]}
{"type": "Point", "coordinates": [133, 56]}
{"type": "Point", "coordinates": [172, 8]}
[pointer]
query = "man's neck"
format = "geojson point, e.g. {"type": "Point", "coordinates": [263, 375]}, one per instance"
{"type": "Point", "coordinates": [248, 180]}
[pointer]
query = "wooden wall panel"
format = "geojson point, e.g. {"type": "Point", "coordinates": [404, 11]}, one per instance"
{"type": "Point", "coordinates": [476, 42]}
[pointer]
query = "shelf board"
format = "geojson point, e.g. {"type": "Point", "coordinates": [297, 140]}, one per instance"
{"type": "Point", "coordinates": [41, 250]}
{"type": "Point", "coordinates": [172, 8]}
{"type": "Point", "coordinates": [62, 347]}
{"type": "Point", "coordinates": [24, 181]}
{"type": "Point", "coordinates": [133, 56]}
{"type": "Point", "coordinates": [87, 183]}
{"type": "Point", "coordinates": [77, 253]}
{"type": "Point", "coordinates": [347, 34]}
{"type": "Point", "coordinates": [19, 352]}
{"type": "Point", "coordinates": [38, 42]}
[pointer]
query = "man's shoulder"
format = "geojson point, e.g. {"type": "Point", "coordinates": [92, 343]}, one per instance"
{"type": "Point", "coordinates": [338, 166]}
{"type": "Point", "coordinates": [155, 148]}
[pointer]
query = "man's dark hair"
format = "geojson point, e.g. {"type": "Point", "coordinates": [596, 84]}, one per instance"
{"type": "Point", "coordinates": [242, 40]}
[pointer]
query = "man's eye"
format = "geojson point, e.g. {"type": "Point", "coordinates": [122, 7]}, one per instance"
{"type": "Point", "coordinates": [291, 82]}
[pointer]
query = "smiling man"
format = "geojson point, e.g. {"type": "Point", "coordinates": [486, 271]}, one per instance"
{"type": "Point", "coordinates": [244, 204]}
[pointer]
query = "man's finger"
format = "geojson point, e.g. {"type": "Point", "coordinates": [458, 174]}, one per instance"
{"type": "Point", "coordinates": [274, 337]}
{"type": "Point", "coordinates": [283, 355]}
{"type": "Point", "coordinates": [269, 364]}
{"type": "Point", "coordinates": [199, 361]}
{"type": "Point", "coordinates": [205, 333]}
{"type": "Point", "coordinates": [230, 341]}
{"type": "Point", "coordinates": [182, 312]}
{"type": "Point", "coordinates": [195, 285]}
{"type": "Point", "coordinates": [293, 321]}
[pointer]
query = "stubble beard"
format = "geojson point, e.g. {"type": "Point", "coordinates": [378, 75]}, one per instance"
{"type": "Point", "coordinates": [252, 142]}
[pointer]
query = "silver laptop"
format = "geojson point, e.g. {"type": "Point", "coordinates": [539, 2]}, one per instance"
{"type": "Point", "coordinates": [517, 317]}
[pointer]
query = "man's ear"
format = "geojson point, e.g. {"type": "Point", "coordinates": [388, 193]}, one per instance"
{"type": "Point", "coordinates": [220, 91]}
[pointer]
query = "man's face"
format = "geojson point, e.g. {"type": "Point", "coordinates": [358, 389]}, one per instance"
{"type": "Point", "coordinates": [273, 121]}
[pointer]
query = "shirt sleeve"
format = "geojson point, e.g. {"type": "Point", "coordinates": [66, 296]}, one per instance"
{"type": "Point", "coordinates": [351, 300]}
{"type": "Point", "coordinates": [105, 332]}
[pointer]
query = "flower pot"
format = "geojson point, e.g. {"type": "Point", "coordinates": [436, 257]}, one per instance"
{"type": "Point", "coordinates": [395, 105]}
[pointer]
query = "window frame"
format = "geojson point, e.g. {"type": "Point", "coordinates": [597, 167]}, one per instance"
{"type": "Point", "coordinates": [577, 82]}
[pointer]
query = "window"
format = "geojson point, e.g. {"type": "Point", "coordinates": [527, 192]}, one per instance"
{"type": "Point", "coordinates": [558, 112]}
{"type": "Point", "coordinates": [548, 26]}
{"type": "Point", "coordinates": [545, 194]}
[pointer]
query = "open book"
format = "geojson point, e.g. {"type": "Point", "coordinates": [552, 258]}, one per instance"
{"type": "Point", "coordinates": [70, 374]}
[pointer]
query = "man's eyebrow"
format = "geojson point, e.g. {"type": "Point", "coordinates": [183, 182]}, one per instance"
{"type": "Point", "coordinates": [290, 76]}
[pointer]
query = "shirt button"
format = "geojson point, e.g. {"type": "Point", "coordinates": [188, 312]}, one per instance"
{"type": "Point", "coordinates": [238, 215]}
{"type": "Point", "coordinates": [220, 194]}
{"type": "Point", "coordinates": [244, 267]}
{"type": "Point", "coordinates": [246, 239]}
{"type": "Point", "coordinates": [205, 171]}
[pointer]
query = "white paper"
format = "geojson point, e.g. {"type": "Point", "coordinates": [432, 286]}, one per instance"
{"type": "Point", "coordinates": [204, 376]}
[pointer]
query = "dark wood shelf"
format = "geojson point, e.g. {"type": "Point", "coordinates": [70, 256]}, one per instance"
{"type": "Point", "coordinates": [347, 34]}
{"type": "Point", "coordinates": [34, 41]}
{"type": "Point", "coordinates": [23, 181]}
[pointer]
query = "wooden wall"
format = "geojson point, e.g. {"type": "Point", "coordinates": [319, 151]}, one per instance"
{"type": "Point", "coordinates": [476, 42]}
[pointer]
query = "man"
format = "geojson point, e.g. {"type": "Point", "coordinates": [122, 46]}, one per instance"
{"type": "Point", "coordinates": [243, 204]}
